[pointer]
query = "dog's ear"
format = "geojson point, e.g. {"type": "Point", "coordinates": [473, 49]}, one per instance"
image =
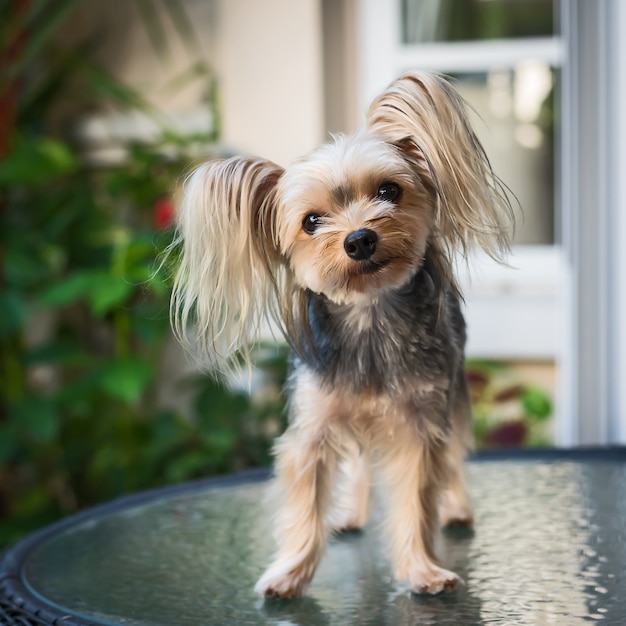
{"type": "Point", "coordinates": [426, 118]}
{"type": "Point", "coordinates": [225, 277]}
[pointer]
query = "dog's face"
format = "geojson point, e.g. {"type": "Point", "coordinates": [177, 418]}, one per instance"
{"type": "Point", "coordinates": [349, 221]}
{"type": "Point", "coordinates": [354, 217]}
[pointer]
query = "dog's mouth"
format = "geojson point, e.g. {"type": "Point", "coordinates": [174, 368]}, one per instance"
{"type": "Point", "coordinates": [366, 268]}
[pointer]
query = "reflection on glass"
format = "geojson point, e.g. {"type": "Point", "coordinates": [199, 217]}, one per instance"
{"type": "Point", "coordinates": [514, 119]}
{"type": "Point", "coordinates": [549, 549]}
{"type": "Point", "coordinates": [467, 20]}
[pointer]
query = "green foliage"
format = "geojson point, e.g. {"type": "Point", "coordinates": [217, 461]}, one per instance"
{"type": "Point", "coordinates": [507, 412]}
{"type": "Point", "coordinates": [36, 160]}
{"type": "Point", "coordinates": [84, 303]}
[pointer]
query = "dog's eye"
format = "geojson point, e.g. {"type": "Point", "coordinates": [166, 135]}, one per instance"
{"type": "Point", "coordinates": [389, 192]}
{"type": "Point", "coordinates": [311, 222]}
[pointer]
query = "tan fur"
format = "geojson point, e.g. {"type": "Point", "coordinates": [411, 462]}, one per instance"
{"type": "Point", "coordinates": [455, 508]}
{"type": "Point", "coordinates": [410, 450]}
{"type": "Point", "coordinates": [245, 256]}
{"type": "Point", "coordinates": [224, 284]}
{"type": "Point", "coordinates": [350, 499]}
{"type": "Point", "coordinates": [320, 263]}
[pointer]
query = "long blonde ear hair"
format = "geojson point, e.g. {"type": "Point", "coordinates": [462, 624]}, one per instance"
{"type": "Point", "coordinates": [473, 207]}
{"type": "Point", "coordinates": [225, 284]}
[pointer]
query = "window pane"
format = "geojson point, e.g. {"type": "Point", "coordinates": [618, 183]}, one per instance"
{"type": "Point", "coordinates": [515, 122]}
{"type": "Point", "coordinates": [467, 20]}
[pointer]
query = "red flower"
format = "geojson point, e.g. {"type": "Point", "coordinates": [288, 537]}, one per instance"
{"type": "Point", "coordinates": [507, 435]}
{"type": "Point", "coordinates": [163, 214]}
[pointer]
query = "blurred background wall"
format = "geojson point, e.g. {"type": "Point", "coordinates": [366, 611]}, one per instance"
{"type": "Point", "coordinates": [267, 58]}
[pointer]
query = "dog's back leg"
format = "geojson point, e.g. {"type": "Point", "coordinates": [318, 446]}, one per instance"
{"type": "Point", "coordinates": [456, 508]}
{"type": "Point", "coordinates": [350, 507]}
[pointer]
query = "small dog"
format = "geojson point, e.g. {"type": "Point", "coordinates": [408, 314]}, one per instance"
{"type": "Point", "coordinates": [349, 250]}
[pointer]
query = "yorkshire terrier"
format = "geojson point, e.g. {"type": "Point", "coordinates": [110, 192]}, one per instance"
{"type": "Point", "coordinates": [349, 251]}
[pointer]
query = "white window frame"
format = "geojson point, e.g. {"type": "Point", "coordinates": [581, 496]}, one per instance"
{"type": "Point", "coordinates": [594, 226]}
{"type": "Point", "coordinates": [492, 292]}
{"type": "Point", "coordinates": [575, 292]}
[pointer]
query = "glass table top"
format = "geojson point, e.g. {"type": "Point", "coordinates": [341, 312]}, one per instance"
{"type": "Point", "coordinates": [548, 547]}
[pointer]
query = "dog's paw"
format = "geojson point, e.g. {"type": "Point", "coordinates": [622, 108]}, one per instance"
{"type": "Point", "coordinates": [455, 511]}
{"type": "Point", "coordinates": [348, 520]}
{"type": "Point", "coordinates": [434, 581]}
{"type": "Point", "coordinates": [457, 518]}
{"type": "Point", "coordinates": [348, 529]}
{"type": "Point", "coordinates": [346, 524]}
{"type": "Point", "coordinates": [278, 584]}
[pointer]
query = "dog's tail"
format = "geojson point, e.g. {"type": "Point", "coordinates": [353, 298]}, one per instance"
{"type": "Point", "coordinates": [223, 287]}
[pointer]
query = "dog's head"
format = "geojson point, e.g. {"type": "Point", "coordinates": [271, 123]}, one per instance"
{"type": "Point", "coordinates": [352, 219]}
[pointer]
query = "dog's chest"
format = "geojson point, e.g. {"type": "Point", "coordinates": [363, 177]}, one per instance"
{"type": "Point", "coordinates": [379, 347]}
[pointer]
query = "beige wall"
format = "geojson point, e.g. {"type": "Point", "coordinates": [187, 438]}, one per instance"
{"type": "Point", "coordinates": [266, 54]}
{"type": "Point", "coordinates": [118, 38]}
{"type": "Point", "coordinates": [270, 66]}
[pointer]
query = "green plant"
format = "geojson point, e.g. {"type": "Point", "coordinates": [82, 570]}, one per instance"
{"type": "Point", "coordinates": [507, 412]}
{"type": "Point", "coordinates": [84, 306]}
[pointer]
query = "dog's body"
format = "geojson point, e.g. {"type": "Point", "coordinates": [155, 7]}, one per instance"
{"type": "Point", "coordinates": [349, 250]}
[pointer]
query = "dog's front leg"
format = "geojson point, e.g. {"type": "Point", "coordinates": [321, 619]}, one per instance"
{"type": "Point", "coordinates": [415, 467]}
{"type": "Point", "coordinates": [305, 462]}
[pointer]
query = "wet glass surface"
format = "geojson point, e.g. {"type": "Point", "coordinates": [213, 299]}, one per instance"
{"type": "Point", "coordinates": [549, 547]}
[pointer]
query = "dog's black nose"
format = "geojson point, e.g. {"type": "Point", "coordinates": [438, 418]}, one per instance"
{"type": "Point", "coordinates": [361, 244]}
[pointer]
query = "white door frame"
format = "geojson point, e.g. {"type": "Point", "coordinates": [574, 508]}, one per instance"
{"type": "Point", "coordinates": [593, 174]}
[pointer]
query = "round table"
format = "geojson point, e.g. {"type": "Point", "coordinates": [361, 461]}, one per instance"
{"type": "Point", "coordinates": [549, 547]}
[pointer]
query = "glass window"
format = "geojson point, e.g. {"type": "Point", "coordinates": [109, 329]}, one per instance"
{"type": "Point", "coordinates": [469, 20]}
{"type": "Point", "coordinates": [514, 119]}
{"type": "Point", "coordinates": [501, 55]}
